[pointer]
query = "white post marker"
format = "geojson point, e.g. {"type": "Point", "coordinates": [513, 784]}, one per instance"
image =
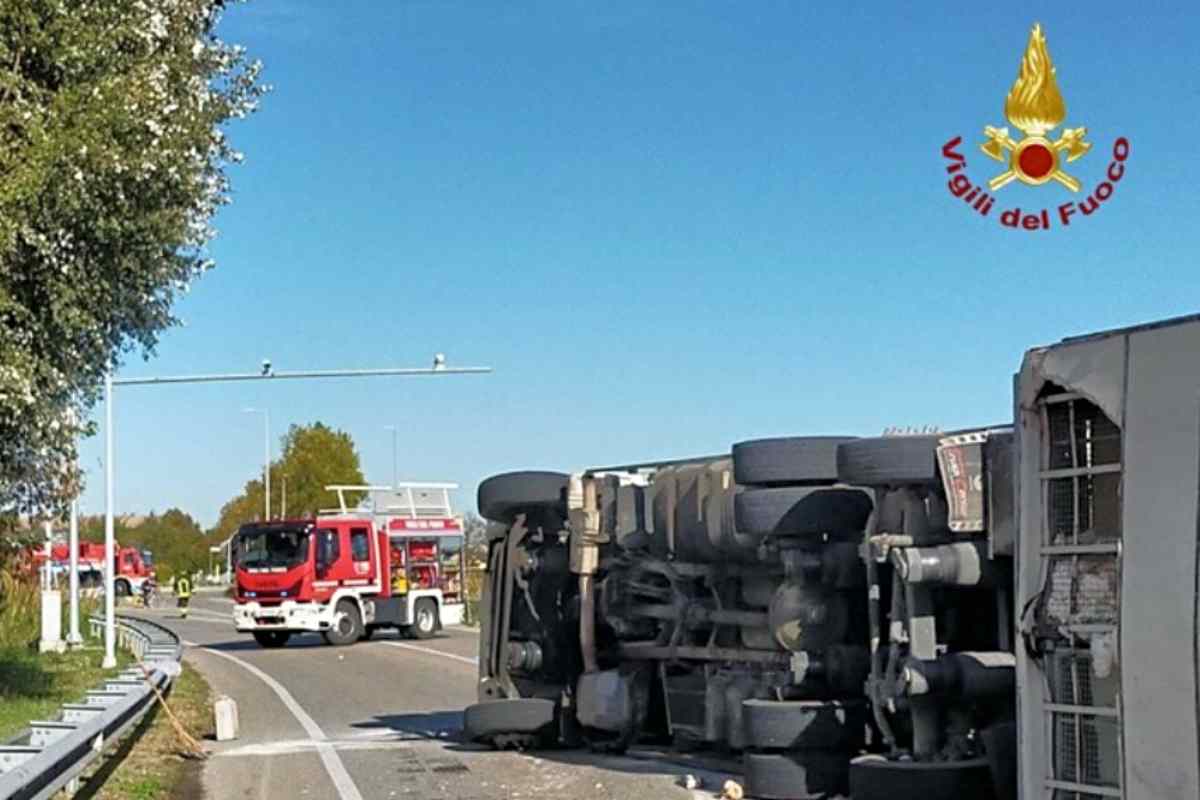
{"type": "Point", "coordinates": [51, 638]}
{"type": "Point", "coordinates": [226, 717]}
{"type": "Point", "coordinates": [73, 637]}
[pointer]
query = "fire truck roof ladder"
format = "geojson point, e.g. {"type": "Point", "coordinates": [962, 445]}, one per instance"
{"type": "Point", "coordinates": [407, 500]}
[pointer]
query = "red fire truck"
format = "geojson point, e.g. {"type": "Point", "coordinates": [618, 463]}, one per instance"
{"type": "Point", "coordinates": [134, 567]}
{"type": "Point", "coordinates": [395, 561]}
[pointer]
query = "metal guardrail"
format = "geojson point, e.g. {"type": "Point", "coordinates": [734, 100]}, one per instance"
{"type": "Point", "coordinates": [52, 754]}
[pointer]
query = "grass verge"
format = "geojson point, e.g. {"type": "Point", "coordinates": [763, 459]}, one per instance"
{"type": "Point", "coordinates": [33, 686]}
{"type": "Point", "coordinates": [148, 764]}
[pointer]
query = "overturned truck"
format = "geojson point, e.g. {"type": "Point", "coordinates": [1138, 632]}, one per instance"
{"type": "Point", "coordinates": [929, 616]}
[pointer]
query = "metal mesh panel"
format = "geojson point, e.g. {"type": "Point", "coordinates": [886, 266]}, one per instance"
{"type": "Point", "coordinates": [1080, 606]}
{"type": "Point", "coordinates": [1096, 440]}
{"type": "Point", "coordinates": [1085, 509]}
{"type": "Point", "coordinates": [1085, 749]}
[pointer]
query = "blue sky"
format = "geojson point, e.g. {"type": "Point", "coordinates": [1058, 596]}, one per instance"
{"type": "Point", "coordinates": [667, 226]}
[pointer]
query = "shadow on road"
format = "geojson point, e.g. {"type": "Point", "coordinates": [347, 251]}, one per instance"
{"type": "Point", "coordinates": [436, 725]}
{"type": "Point", "coordinates": [248, 644]}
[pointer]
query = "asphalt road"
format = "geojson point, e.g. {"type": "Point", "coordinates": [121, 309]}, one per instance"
{"type": "Point", "coordinates": [379, 720]}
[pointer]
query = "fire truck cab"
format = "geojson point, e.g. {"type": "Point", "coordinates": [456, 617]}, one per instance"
{"type": "Point", "coordinates": [395, 561]}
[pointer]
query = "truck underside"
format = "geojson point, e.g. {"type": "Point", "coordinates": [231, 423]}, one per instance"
{"type": "Point", "coordinates": [924, 616]}
{"type": "Point", "coordinates": [726, 603]}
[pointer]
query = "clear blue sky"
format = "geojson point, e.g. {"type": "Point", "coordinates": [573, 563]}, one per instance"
{"type": "Point", "coordinates": [667, 226]}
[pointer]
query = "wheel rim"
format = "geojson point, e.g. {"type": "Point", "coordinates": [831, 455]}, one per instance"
{"type": "Point", "coordinates": [345, 626]}
{"type": "Point", "coordinates": [425, 619]}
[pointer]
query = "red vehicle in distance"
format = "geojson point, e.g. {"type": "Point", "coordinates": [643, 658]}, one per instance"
{"type": "Point", "coordinates": [133, 566]}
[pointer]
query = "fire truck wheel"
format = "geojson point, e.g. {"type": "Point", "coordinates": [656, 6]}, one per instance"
{"type": "Point", "coordinates": [347, 625]}
{"type": "Point", "coordinates": [876, 778]}
{"type": "Point", "coordinates": [889, 461]}
{"type": "Point", "coordinates": [486, 722]}
{"type": "Point", "coordinates": [805, 724]}
{"type": "Point", "coordinates": [799, 775]}
{"type": "Point", "coordinates": [502, 497]}
{"type": "Point", "coordinates": [801, 511]}
{"type": "Point", "coordinates": [272, 639]}
{"type": "Point", "coordinates": [788, 460]}
{"type": "Point", "coordinates": [121, 588]}
{"type": "Point", "coordinates": [425, 619]}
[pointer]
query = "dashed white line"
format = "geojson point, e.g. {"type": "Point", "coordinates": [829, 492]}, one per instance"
{"type": "Point", "coordinates": [325, 749]}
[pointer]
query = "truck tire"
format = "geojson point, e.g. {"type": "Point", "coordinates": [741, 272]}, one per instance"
{"type": "Point", "coordinates": [787, 461]}
{"type": "Point", "coordinates": [347, 625]}
{"type": "Point", "coordinates": [876, 778]}
{"type": "Point", "coordinates": [801, 511]}
{"type": "Point", "coordinates": [502, 497]}
{"type": "Point", "coordinates": [805, 724]}
{"type": "Point", "coordinates": [1000, 745]}
{"type": "Point", "coordinates": [800, 775]}
{"type": "Point", "coordinates": [425, 619]}
{"type": "Point", "coordinates": [272, 639]}
{"type": "Point", "coordinates": [527, 716]}
{"type": "Point", "coordinates": [889, 461]}
{"type": "Point", "coordinates": [121, 588]}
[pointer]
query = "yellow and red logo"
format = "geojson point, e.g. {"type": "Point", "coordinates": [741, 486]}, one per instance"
{"type": "Point", "coordinates": [1035, 107]}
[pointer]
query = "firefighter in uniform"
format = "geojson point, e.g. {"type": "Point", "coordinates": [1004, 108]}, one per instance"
{"type": "Point", "coordinates": [183, 593]}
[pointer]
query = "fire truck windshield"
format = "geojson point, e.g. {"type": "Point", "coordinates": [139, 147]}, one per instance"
{"type": "Point", "coordinates": [266, 549]}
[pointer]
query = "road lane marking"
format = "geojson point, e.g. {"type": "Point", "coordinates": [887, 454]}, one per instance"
{"type": "Point", "coordinates": [333, 764]}
{"type": "Point", "coordinates": [474, 662]}
{"type": "Point", "coordinates": [294, 746]}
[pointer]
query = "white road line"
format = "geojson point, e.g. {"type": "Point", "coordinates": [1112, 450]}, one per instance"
{"type": "Point", "coordinates": [329, 757]}
{"type": "Point", "coordinates": [307, 746]}
{"type": "Point", "coordinates": [474, 662]}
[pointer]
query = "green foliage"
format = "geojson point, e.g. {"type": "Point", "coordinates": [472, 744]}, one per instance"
{"type": "Point", "coordinates": [112, 164]}
{"type": "Point", "coordinates": [20, 610]}
{"type": "Point", "coordinates": [174, 538]}
{"type": "Point", "coordinates": [314, 456]}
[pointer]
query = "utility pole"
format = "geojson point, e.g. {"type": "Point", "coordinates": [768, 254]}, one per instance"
{"type": "Point", "coordinates": [395, 429]}
{"type": "Point", "coordinates": [266, 458]}
{"type": "Point", "coordinates": [267, 374]}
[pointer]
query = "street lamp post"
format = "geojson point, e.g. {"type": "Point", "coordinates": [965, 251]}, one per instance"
{"type": "Point", "coordinates": [266, 458]}
{"type": "Point", "coordinates": [110, 550]}
{"type": "Point", "coordinates": [110, 655]}
{"type": "Point", "coordinates": [395, 429]}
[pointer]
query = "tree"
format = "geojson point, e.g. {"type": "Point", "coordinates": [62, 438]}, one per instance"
{"type": "Point", "coordinates": [475, 533]}
{"type": "Point", "coordinates": [314, 456]}
{"type": "Point", "coordinates": [112, 164]}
